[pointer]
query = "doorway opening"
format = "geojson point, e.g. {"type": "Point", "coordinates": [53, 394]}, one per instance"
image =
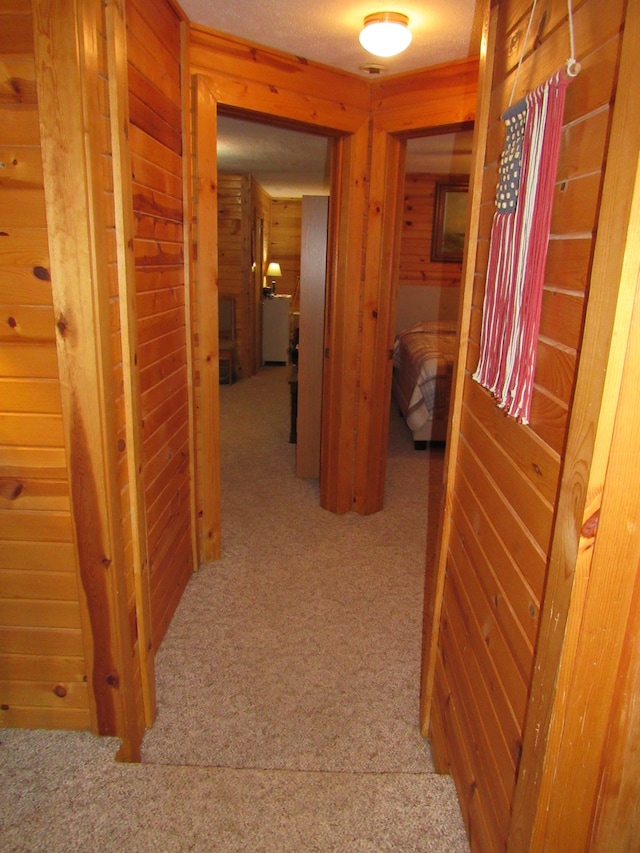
{"type": "Point", "coordinates": [264, 171]}
{"type": "Point", "coordinates": [267, 175]}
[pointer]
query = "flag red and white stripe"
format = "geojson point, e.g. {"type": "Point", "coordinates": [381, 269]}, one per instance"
{"type": "Point", "coordinates": [518, 249]}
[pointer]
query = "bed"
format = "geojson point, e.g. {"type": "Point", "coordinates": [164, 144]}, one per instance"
{"type": "Point", "coordinates": [422, 367]}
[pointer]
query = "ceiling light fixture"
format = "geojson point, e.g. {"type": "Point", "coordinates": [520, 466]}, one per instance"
{"type": "Point", "coordinates": [373, 68]}
{"type": "Point", "coordinates": [385, 33]}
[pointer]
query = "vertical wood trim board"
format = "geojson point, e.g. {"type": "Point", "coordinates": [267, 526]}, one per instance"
{"type": "Point", "coordinates": [189, 302]}
{"type": "Point", "coordinates": [67, 67]}
{"type": "Point", "coordinates": [378, 318]}
{"type": "Point", "coordinates": [124, 231]}
{"type": "Point", "coordinates": [347, 224]}
{"type": "Point", "coordinates": [205, 177]}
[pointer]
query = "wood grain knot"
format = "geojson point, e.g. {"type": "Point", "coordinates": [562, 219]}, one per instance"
{"type": "Point", "coordinates": [10, 489]}
{"type": "Point", "coordinates": [112, 679]}
{"type": "Point", "coordinates": [42, 273]}
{"type": "Point", "coordinates": [590, 526]}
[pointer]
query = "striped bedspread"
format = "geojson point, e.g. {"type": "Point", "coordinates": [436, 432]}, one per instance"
{"type": "Point", "coordinates": [423, 360]}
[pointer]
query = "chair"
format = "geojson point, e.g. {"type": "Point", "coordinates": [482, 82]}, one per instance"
{"type": "Point", "coordinates": [226, 337]}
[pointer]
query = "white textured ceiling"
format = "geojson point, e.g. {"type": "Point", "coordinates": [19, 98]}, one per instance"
{"type": "Point", "coordinates": [290, 164]}
{"type": "Point", "coordinates": [327, 31]}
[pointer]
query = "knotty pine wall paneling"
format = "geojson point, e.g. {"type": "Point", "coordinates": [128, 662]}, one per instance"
{"type": "Point", "coordinates": [42, 659]}
{"type": "Point", "coordinates": [284, 242]}
{"type": "Point", "coordinates": [234, 261]}
{"type": "Point", "coordinates": [155, 105]}
{"type": "Point", "coordinates": [427, 290]}
{"type": "Point", "coordinates": [242, 204]}
{"type": "Point", "coordinates": [416, 266]}
{"type": "Point", "coordinates": [503, 487]}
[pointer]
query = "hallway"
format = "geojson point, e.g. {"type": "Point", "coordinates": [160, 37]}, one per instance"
{"type": "Point", "coordinates": [287, 683]}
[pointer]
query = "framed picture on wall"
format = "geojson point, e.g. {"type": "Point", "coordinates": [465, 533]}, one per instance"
{"type": "Point", "coordinates": [449, 221]}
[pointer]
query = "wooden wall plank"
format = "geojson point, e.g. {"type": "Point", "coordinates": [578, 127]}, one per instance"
{"type": "Point", "coordinates": [496, 590]}
{"type": "Point", "coordinates": [503, 477]}
{"type": "Point", "coordinates": [447, 729]}
{"type": "Point", "coordinates": [40, 495]}
{"type": "Point", "coordinates": [37, 556]}
{"type": "Point", "coordinates": [17, 91]}
{"type": "Point", "coordinates": [16, 34]}
{"type": "Point", "coordinates": [41, 718]}
{"type": "Point", "coordinates": [498, 744]}
{"type": "Point", "coordinates": [33, 640]}
{"type": "Point", "coordinates": [36, 430]}
{"type": "Point", "coordinates": [492, 799]}
{"type": "Point", "coordinates": [30, 395]}
{"type": "Point", "coordinates": [41, 614]}
{"type": "Point", "coordinates": [39, 668]}
{"type": "Point", "coordinates": [39, 585]}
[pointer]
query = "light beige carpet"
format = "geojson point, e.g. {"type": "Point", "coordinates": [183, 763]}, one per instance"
{"type": "Point", "coordinates": [287, 683]}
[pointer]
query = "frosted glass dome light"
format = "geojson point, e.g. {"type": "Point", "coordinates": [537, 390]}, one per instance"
{"type": "Point", "coordinates": [385, 33]}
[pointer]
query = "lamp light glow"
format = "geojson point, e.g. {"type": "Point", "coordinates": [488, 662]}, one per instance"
{"type": "Point", "coordinates": [385, 33]}
{"type": "Point", "coordinates": [273, 272]}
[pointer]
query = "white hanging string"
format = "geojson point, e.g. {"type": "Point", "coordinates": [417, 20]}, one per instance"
{"type": "Point", "coordinates": [573, 66]}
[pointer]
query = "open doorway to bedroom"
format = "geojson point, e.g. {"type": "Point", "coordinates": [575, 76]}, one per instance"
{"type": "Point", "coordinates": [430, 267]}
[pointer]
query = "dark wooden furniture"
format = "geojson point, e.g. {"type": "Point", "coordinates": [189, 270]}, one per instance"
{"type": "Point", "coordinates": [293, 385]}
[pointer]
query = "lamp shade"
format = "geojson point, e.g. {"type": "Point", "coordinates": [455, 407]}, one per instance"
{"type": "Point", "coordinates": [385, 33]}
{"type": "Point", "coordinates": [273, 270]}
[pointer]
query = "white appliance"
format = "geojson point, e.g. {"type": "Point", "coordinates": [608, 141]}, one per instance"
{"type": "Point", "coordinates": [275, 329]}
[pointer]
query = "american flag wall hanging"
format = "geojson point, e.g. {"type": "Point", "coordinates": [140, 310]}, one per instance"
{"type": "Point", "coordinates": [518, 248]}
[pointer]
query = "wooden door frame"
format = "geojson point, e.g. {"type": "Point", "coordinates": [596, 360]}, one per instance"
{"type": "Point", "coordinates": [395, 119]}
{"type": "Point", "coordinates": [340, 338]}
{"type": "Point", "coordinates": [363, 230]}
